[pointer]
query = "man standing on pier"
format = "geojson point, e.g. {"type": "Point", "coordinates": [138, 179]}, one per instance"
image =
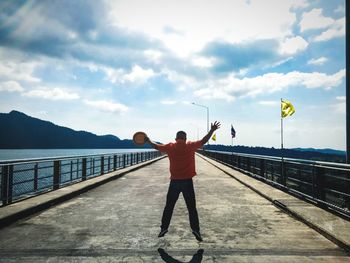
{"type": "Point", "coordinates": [182, 169]}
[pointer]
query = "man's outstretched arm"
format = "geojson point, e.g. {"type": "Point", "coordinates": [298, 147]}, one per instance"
{"type": "Point", "coordinates": [214, 127]}
{"type": "Point", "coordinates": [152, 143]}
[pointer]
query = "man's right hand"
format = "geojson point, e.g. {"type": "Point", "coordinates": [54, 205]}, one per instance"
{"type": "Point", "coordinates": [215, 126]}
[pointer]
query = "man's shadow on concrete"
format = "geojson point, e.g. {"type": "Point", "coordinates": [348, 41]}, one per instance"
{"type": "Point", "coordinates": [197, 258]}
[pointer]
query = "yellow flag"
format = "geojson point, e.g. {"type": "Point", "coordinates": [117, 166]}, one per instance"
{"type": "Point", "coordinates": [214, 137]}
{"type": "Point", "coordinates": [287, 108]}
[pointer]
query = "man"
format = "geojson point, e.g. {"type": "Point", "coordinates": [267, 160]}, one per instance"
{"type": "Point", "coordinates": [182, 169]}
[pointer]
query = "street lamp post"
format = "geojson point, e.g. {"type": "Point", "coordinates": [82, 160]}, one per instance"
{"type": "Point", "coordinates": [207, 113]}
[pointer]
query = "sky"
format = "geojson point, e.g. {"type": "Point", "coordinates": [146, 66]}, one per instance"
{"type": "Point", "coordinates": [121, 66]}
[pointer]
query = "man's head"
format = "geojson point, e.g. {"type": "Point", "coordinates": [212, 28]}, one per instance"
{"type": "Point", "coordinates": [181, 135]}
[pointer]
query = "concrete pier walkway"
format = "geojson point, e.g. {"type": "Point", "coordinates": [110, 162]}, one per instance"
{"type": "Point", "coordinates": [119, 222]}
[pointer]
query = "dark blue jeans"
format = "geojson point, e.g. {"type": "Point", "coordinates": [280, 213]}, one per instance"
{"type": "Point", "coordinates": [175, 188]}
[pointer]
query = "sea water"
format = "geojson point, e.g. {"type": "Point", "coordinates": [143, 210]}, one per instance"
{"type": "Point", "coordinates": [13, 154]}
{"type": "Point", "coordinates": [70, 170]}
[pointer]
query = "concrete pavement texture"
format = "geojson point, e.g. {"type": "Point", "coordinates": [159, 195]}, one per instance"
{"type": "Point", "coordinates": [119, 222]}
{"type": "Point", "coordinates": [23, 208]}
{"type": "Point", "coordinates": [334, 227]}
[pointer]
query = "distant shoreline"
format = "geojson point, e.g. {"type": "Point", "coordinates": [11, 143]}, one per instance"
{"type": "Point", "coordinates": [14, 154]}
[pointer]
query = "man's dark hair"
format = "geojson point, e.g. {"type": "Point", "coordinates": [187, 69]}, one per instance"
{"type": "Point", "coordinates": [181, 135]}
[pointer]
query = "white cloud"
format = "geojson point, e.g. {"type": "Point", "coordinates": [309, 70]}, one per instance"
{"type": "Point", "coordinates": [314, 20]}
{"type": "Point", "coordinates": [138, 74]}
{"type": "Point", "coordinates": [340, 9]}
{"type": "Point", "coordinates": [230, 87]}
{"type": "Point", "coordinates": [51, 94]}
{"type": "Point", "coordinates": [107, 106]}
{"type": "Point", "coordinates": [119, 75]}
{"type": "Point", "coordinates": [321, 80]}
{"type": "Point", "coordinates": [229, 20]}
{"type": "Point", "coordinates": [173, 102]}
{"type": "Point", "coordinates": [210, 93]}
{"type": "Point", "coordinates": [11, 86]}
{"type": "Point", "coordinates": [293, 45]}
{"type": "Point", "coordinates": [183, 82]}
{"type": "Point", "coordinates": [336, 30]}
{"type": "Point", "coordinates": [299, 3]}
{"type": "Point", "coordinates": [269, 102]}
{"type": "Point", "coordinates": [112, 75]}
{"type": "Point", "coordinates": [202, 62]}
{"type": "Point", "coordinates": [153, 55]}
{"type": "Point", "coordinates": [317, 61]}
{"type": "Point", "coordinates": [20, 71]}
{"type": "Point", "coordinates": [168, 102]}
{"type": "Point", "coordinates": [340, 106]}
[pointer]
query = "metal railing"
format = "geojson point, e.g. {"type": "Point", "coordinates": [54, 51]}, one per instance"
{"type": "Point", "coordinates": [27, 177]}
{"type": "Point", "coordinates": [323, 183]}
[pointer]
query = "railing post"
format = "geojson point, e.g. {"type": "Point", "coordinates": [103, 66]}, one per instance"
{"type": "Point", "coordinates": [239, 161]}
{"type": "Point", "coordinates": [102, 164]}
{"type": "Point", "coordinates": [248, 164]}
{"type": "Point", "coordinates": [313, 181]}
{"type": "Point", "coordinates": [320, 183]}
{"type": "Point", "coordinates": [83, 172]}
{"type": "Point", "coordinates": [131, 158]}
{"type": "Point", "coordinates": [71, 170]}
{"type": "Point", "coordinates": [137, 158]}
{"type": "Point", "coordinates": [124, 160]}
{"type": "Point", "coordinates": [77, 168]}
{"type": "Point", "coordinates": [4, 184]}
{"type": "Point", "coordinates": [56, 175]}
{"type": "Point", "coordinates": [114, 162]}
{"type": "Point", "coordinates": [273, 173]}
{"type": "Point", "coordinates": [9, 198]}
{"type": "Point", "coordinates": [7, 183]}
{"type": "Point", "coordinates": [283, 173]}
{"type": "Point", "coordinates": [36, 177]}
{"type": "Point", "coordinates": [262, 167]}
{"type": "Point", "coordinates": [109, 163]}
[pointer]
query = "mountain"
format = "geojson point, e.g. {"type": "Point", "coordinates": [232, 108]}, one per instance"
{"type": "Point", "coordinates": [326, 151]}
{"type": "Point", "coordinates": [20, 131]}
{"type": "Point", "coordinates": [327, 156]}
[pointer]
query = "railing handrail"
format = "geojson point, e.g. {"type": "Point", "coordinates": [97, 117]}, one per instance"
{"type": "Point", "coordinates": [276, 158]}
{"type": "Point", "coordinates": [24, 178]}
{"type": "Point", "coordinates": [324, 183]}
{"type": "Point", "coordinates": [68, 157]}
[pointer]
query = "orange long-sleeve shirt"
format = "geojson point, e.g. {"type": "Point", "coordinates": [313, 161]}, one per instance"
{"type": "Point", "coordinates": [181, 156]}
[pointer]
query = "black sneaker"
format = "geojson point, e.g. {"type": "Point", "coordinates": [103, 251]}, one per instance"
{"type": "Point", "coordinates": [162, 232]}
{"type": "Point", "coordinates": [197, 235]}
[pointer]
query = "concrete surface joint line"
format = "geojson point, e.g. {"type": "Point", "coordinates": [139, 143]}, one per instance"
{"type": "Point", "coordinates": [15, 211]}
{"type": "Point", "coordinates": [312, 218]}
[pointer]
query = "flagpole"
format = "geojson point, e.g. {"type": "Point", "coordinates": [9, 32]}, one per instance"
{"type": "Point", "coordinates": [231, 139]}
{"type": "Point", "coordinates": [282, 162]}
{"type": "Point", "coordinates": [281, 128]}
